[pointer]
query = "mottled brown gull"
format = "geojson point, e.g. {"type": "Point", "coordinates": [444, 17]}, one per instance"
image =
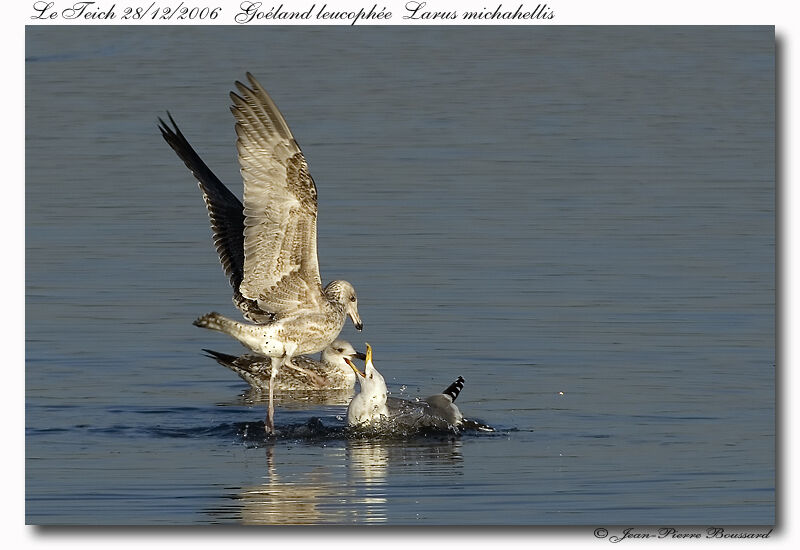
{"type": "Point", "coordinates": [268, 245]}
{"type": "Point", "coordinates": [331, 372]}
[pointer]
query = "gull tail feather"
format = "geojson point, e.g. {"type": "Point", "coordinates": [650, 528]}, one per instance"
{"type": "Point", "coordinates": [252, 373]}
{"type": "Point", "coordinates": [251, 336]}
{"type": "Point", "coordinates": [454, 389]}
{"type": "Point", "coordinates": [215, 321]}
{"type": "Point", "coordinates": [222, 358]}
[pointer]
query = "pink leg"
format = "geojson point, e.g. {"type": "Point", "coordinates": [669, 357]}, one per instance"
{"type": "Point", "coordinates": [271, 408]}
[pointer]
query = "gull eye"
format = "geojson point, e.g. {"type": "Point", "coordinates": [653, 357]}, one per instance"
{"type": "Point", "coordinates": [352, 298]}
{"type": "Point", "coordinates": [340, 350]}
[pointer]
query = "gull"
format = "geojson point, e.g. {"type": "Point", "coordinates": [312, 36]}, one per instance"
{"type": "Point", "coordinates": [268, 245]}
{"type": "Point", "coordinates": [372, 406]}
{"type": "Point", "coordinates": [331, 372]}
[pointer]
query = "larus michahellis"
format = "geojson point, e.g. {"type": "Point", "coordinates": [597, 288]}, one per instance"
{"type": "Point", "coordinates": [373, 407]}
{"type": "Point", "coordinates": [268, 245]}
{"type": "Point", "coordinates": [304, 373]}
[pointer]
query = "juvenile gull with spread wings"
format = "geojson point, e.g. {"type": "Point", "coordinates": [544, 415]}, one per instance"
{"type": "Point", "coordinates": [268, 245]}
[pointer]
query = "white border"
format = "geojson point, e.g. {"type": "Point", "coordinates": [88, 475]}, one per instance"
{"type": "Point", "coordinates": [565, 12]}
{"type": "Point", "coordinates": [568, 12]}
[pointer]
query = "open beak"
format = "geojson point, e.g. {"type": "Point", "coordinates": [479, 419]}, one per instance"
{"type": "Point", "coordinates": [360, 355]}
{"type": "Point", "coordinates": [354, 367]}
{"type": "Point", "coordinates": [369, 353]}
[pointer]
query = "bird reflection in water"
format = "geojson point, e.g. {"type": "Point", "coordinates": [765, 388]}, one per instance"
{"type": "Point", "coordinates": [351, 488]}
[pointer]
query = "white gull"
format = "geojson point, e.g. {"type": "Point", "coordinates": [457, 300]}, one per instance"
{"type": "Point", "coordinates": [372, 407]}
{"type": "Point", "coordinates": [268, 245]}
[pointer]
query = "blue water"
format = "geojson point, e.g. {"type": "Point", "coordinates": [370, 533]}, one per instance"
{"type": "Point", "coordinates": [579, 221]}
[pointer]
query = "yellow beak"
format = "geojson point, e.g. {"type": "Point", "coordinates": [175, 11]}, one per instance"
{"type": "Point", "coordinates": [354, 367]}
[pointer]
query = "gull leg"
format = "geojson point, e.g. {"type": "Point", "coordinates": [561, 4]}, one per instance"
{"type": "Point", "coordinates": [271, 407]}
{"type": "Point", "coordinates": [277, 362]}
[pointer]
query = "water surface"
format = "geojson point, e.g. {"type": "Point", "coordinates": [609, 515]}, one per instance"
{"type": "Point", "coordinates": [579, 221]}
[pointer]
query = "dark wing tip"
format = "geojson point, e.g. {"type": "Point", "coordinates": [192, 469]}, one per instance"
{"type": "Point", "coordinates": [170, 132]}
{"type": "Point", "coordinates": [165, 129]}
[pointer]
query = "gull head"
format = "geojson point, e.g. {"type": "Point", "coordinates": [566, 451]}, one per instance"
{"type": "Point", "coordinates": [344, 294]}
{"type": "Point", "coordinates": [337, 354]}
{"type": "Point", "coordinates": [369, 406]}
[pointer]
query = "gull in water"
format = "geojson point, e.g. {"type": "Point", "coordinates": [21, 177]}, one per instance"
{"type": "Point", "coordinates": [268, 245]}
{"type": "Point", "coordinates": [332, 372]}
{"type": "Point", "coordinates": [372, 406]}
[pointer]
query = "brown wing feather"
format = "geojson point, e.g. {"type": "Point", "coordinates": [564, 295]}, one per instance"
{"type": "Point", "coordinates": [280, 207]}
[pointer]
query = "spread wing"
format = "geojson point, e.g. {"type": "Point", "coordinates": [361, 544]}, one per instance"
{"type": "Point", "coordinates": [226, 213]}
{"type": "Point", "coordinates": [224, 209]}
{"type": "Point", "coordinates": [281, 270]}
